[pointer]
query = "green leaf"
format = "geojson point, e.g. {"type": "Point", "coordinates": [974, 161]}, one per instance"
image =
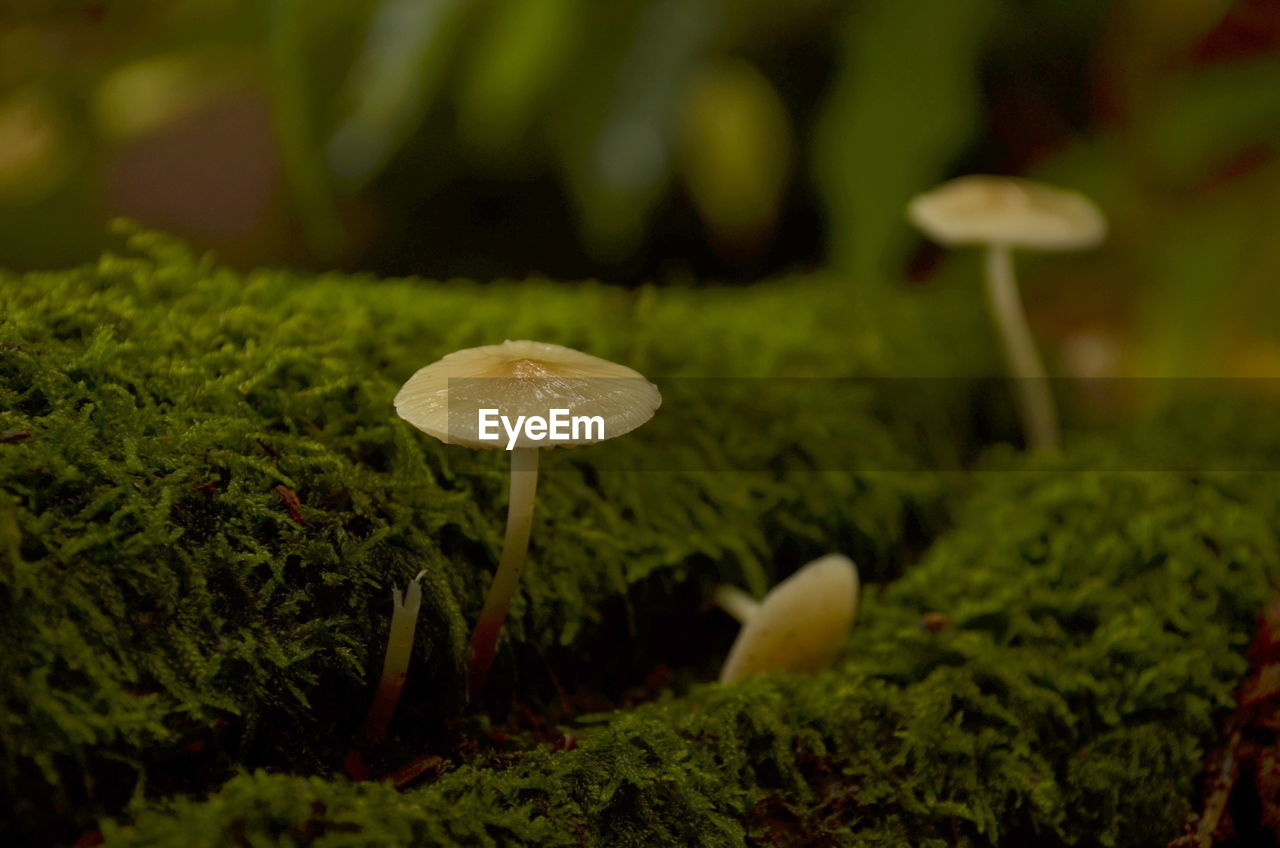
{"type": "Point", "coordinates": [905, 102]}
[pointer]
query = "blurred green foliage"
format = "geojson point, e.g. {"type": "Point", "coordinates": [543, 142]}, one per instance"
{"type": "Point", "coordinates": [895, 121]}
{"type": "Point", "coordinates": [646, 138]}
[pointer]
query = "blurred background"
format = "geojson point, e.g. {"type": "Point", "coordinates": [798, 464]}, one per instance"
{"type": "Point", "coordinates": [669, 141]}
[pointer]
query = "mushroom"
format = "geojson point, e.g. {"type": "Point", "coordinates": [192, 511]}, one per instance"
{"type": "Point", "coordinates": [799, 626]}
{"type": "Point", "coordinates": [1003, 213]}
{"type": "Point", "coordinates": [455, 399]}
{"type": "Point", "coordinates": [395, 665]}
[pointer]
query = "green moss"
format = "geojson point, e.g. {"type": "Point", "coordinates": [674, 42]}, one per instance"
{"type": "Point", "coordinates": [1095, 623]}
{"type": "Point", "coordinates": [164, 621]}
{"type": "Point", "coordinates": [162, 616]}
{"type": "Point", "coordinates": [262, 809]}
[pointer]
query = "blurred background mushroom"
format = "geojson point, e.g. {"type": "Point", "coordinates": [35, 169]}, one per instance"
{"type": "Point", "coordinates": [659, 140]}
{"type": "Point", "coordinates": [1001, 214]}
{"type": "Point", "coordinates": [799, 626]}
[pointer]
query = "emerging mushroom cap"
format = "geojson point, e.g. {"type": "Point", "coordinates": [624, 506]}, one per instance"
{"type": "Point", "coordinates": [524, 378]}
{"type": "Point", "coordinates": [981, 209]}
{"type": "Point", "coordinates": [801, 624]}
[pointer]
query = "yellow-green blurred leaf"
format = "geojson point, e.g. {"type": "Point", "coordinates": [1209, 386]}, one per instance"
{"type": "Point", "coordinates": [735, 140]}
{"type": "Point", "coordinates": [906, 101]}
{"type": "Point", "coordinates": [616, 130]}
{"type": "Point", "coordinates": [524, 46]}
{"type": "Point", "coordinates": [394, 82]}
{"type": "Point", "coordinates": [35, 153]}
{"type": "Point", "coordinates": [145, 94]}
{"type": "Point", "coordinates": [293, 105]}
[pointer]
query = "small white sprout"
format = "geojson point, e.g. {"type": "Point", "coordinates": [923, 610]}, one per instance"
{"type": "Point", "coordinates": [395, 667]}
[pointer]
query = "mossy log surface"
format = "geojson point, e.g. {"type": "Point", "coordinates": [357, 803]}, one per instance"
{"type": "Point", "coordinates": [1092, 624]}
{"type": "Point", "coordinates": [167, 615]}
{"type": "Point", "coordinates": [165, 621]}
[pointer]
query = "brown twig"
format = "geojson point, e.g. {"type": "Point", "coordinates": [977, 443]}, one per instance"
{"type": "Point", "coordinates": [289, 498]}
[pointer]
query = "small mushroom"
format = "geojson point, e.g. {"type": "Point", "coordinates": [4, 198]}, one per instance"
{"type": "Point", "coordinates": [1003, 213]}
{"type": "Point", "coordinates": [799, 626]}
{"type": "Point", "coordinates": [520, 379]}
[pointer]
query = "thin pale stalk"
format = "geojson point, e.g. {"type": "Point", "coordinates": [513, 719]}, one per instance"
{"type": "Point", "coordinates": [737, 603]}
{"type": "Point", "coordinates": [1031, 384]}
{"type": "Point", "coordinates": [484, 639]}
{"type": "Point", "coordinates": [395, 666]}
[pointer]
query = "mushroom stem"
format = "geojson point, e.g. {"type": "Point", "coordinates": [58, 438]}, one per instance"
{"type": "Point", "coordinates": [737, 603]}
{"type": "Point", "coordinates": [1035, 400]}
{"type": "Point", "coordinates": [484, 639]}
{"type": "Point", "coordinates": [395, 666]}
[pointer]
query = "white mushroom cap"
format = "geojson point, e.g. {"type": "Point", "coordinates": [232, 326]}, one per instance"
{"type": "Point", "coordinates": [801, 624]}
{"type": "Point", "coordinates": [524, 378]}
{"type": "Point", "coordinates": [980, 209]}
